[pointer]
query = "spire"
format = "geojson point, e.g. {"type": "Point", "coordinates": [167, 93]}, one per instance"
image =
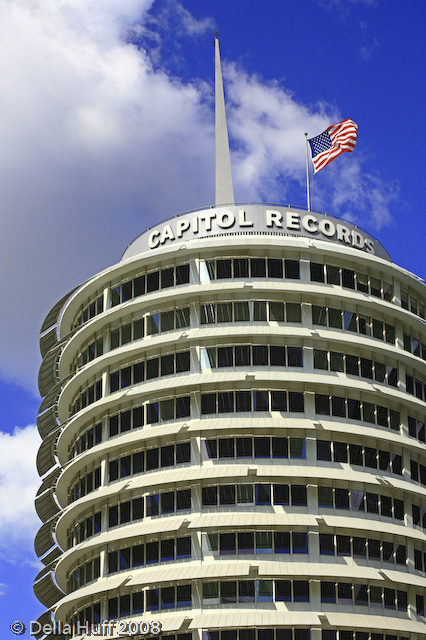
{"type": "Point", "coordinates": [224, 190]}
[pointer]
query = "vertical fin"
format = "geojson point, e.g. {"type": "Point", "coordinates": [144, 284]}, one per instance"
{"type": "Point", "coordinates": [224, 190]}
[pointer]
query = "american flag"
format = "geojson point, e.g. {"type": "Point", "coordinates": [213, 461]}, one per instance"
{"type": "Point", "coordinates": [332, 142]}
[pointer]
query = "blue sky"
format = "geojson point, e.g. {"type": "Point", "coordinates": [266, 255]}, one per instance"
{"type": "Point", "coordinates": [103, 104]}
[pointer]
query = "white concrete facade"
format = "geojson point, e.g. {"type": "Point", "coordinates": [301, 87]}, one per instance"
{"type": "Point", "coordinates": [234, 437]}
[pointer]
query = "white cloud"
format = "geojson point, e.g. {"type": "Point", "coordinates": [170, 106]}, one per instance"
{"type": "Point", "coordinates": [3, 588]}
{"type": "Point", "coordinates": [19, 482]}
{"type": "Point", "coordinates": [97, 143]}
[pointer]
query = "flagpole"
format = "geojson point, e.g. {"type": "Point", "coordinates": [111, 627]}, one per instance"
{"type": "Point", "coordinates": [308, 193]}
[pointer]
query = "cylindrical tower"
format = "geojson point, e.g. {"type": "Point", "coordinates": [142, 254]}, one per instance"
{"type": "Point", "coordinates": [234, 436]}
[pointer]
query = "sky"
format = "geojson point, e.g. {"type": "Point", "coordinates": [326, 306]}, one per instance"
{"type": "Point", "coordinates": [106, 127]}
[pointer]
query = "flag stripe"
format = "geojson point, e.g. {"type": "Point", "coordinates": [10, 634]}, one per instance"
{"type": "Point", "coordinates": [336, 139]}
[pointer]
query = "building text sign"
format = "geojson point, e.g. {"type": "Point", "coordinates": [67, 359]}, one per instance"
{"type": "Point", "coordinates": [255, 219]}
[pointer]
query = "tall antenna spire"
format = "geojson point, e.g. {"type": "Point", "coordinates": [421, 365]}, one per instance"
{"type": "Point", "coordinates": [224, 190]}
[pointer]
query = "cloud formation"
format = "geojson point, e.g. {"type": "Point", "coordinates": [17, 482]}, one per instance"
{"type": "Point", "coordinates": [19, 482]}
{"type": "Point", "coordinates": [92, 129]}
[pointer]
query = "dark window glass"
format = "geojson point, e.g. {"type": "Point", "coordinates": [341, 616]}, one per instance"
{"type": "Point", "coordinates": [183, 547]}
{"type": "Point", "coordinates": [275, 268]}
{"type": "Point", "coordinates": [282, 541]}
{"type": "Point", "coordinates": [182, 361]}
{"type": "Point", "coordinates": [294, 357]}
{"type": "Point", "coordinates": [292, 269]}
{"type": "Point", "coordinates": [243, 400]}
{"type": "Point", "coordinates": [293, 312]}
{"type": "Point", "coordinates": [277, 356]}
{"type": "Point", "coordinates": [225, 357]}
{"type": "Point", "coordinates": [278, 401]}
{"type": "Point", "coordinates": [263, 494]}
{"type": "Point", "coordinates": [322, 404]}
{"type": "Point", "coordinates": [326, 541]}
{"type": "Point", "coordinates": [320, 359]}
{"type": "Point", "coordinates": [152, 505]}
{"type": "Point", "coordinates": [208, 403]}
{"type": "Point", "coordinates": [168, 502]}
{"type": "Point", "coordinates": [167, 365]}
{"type": "Point", "coordinates": [296, 401]}
{"type": "Point", "coordinates": [226, 448]}
{"type": "Point", "coordinates": [352, 365]}
{"type": "Point", "coordinates": [245, 543]}
{"type": "Point", "coordinates": [152, 459]}
{"type": "Point", "coordinates": [209, 496]}
{"type": "Point", "coordinates": [227, 494]}
{"type": "Point", "coordinates": [298, 495]}
{"type": "Point", "coordinates": [183, 452]}
{"type": "Point", "coordinates": [261, 400]}
{"type": "Point", "coordinates": [167, 277]}
{"type": "Point", "coordinates": [317, 272]}
{"type": "Point", "coordinates": [223, 269]}
{"type": "Point", "coordinates": [183, 499]}
{"type": "Point", "coordinates": [241, 268]}
{"type": "Point", "coordinates": [279, 448]}
{"type": "Point", "coordinates": [260, 355]}
{"type": "Point", "coordinates": [167, 456]}
{"type": "Point", "coordinates": [348, 279]}
{"type": "Point", "coordinates": [226, 402]}
{"type": "Point", "coordinates": [182, 274]}
{"type": "Point", "coordinates": [153, 281]}
{"type": "Point", "coordinates": [300, 542]}
{"type": "Point", "coordinates": [227, 544]}
{"type": "Point", "coordinates": [323, 450]}
{"type": "Point", "coordinates": [319, 316]}
{"type": "Point", "coordinates": [281, 494]}
{"type": "Point", "coordinates": [258, 267]}
{"type": "Point", "coordinates": [183, 409]}
{"type": "Point", "coordinates": [328, 595]}
{"type": "Point", "coordinates": [242, 356]}
{"type": "Point", "coordinates": [262, 448]}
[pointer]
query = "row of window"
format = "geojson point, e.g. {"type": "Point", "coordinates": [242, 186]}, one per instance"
{"type": "Point", "coordinates": [80, 531]}
{"type": "Point", "coordinates": [356, 500]}
{"type": "Point", "coordinates": [351, 280]}
{"type": "Point", "coordinates": [357, 410]}
{"type": "Point", "coordinates": [411, 303]}
{"type": "Point", "coordinates": [251, 355]}
{"type": "Point", "coordinates": [85, 573]}
{"type": "Point", "coordinates": [164, 503]}
{"type": "Point", "coordinates": [163, 599]}
{"type": "Point", "coordinates": [89, 311]}
{"type": "Point", "coordinates": [91, 437]}
{"type": "Point", "coordinates": [149, 553]}
{"type": "Point", "coordinates": [91, 394]}
{"type": "Point", "coordinates": [418, 472]}
{"type": "Point", "coordinates": [257, 494]}
{"type": "Point", "coordinates": [249, 447]}
{"type": "Point", "coordinates": [357, 454]}
{"type": "Point", "coordinates": [152, 281]}
{"type": "Point", "coordinates": [155, 458]}
{"type": "Point", "coordinates": [415, 387]}
{"type": "Point", "coordinates": [250, 311]}
{"type": "Point", "coordinates": [416, 429]}
{"type": "Point", "coordinates": [352, 321]}
{"type": "Point", "coordinates": [245, 591]}
{"type": "Point", "coordinates": [365, 595]}
{"type": "Point", "coordinates": [154, 323]}
{"type": "Point", "coordinates": [255, 542]}
{"type": "Point", "coordinates": [148, 369]}
{"type": "Point", "coordinates": [414, 346]}
{"type": "Point", "coordinates": [294, 634]}
{"type": "Point", "coordinates": [236, 401]}
{"type": "Point", "coordinates": [86, 484]}
{"type": "Point", "coordinates": [355, 366]}
{"type": "Point", "coordinates": [359, 547]}
{"type": "Point", "coordinates": [226, 268]}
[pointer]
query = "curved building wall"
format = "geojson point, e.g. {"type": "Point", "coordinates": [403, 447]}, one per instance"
{"type": "Point", "coordinates": [234, 436]}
